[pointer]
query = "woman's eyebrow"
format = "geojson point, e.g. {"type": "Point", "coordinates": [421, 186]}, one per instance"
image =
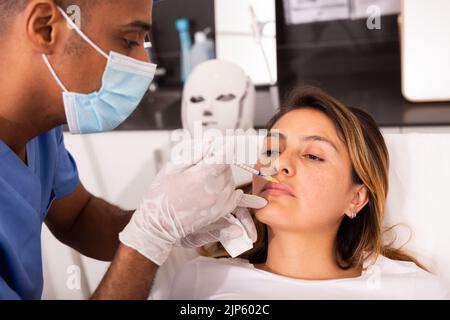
{"type": "Point", "coordinates": [320, 139]}
{"type": "Point", "coordinates": [278, 135]}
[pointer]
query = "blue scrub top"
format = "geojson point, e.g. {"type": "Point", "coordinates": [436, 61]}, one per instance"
{"type": "Point", "coordinates": [26, 194]}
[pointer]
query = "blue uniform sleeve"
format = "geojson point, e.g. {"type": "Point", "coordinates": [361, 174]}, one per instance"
{"type": "Point", "coordinates": [6, 293]}
{"type": "Point", "coordinates": [66, 175]}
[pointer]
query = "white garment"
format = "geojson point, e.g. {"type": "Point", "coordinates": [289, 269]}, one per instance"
{"type": "Point", "coordinates": [237, 279]}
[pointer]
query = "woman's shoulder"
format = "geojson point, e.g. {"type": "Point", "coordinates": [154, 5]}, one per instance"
{"type": "Point", "coordinates": [391, 266]}
{"type": "Point", "coordinates": [205, 262]}
{"type": "Point", "coordinates": [202, 275]}
{"type": "Point", "coordinates": [425, 284]}
{"type": "Point", "coordinates": [201, 266]}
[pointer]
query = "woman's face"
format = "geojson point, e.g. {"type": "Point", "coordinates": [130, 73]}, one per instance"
{"type": "Point", "coordinates": [314, 171]}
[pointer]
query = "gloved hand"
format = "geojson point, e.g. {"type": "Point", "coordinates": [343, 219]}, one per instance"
{"type": "Point", "coordinates": [235, 225]}
{"type": "Point", "coordinates": [183, 199]}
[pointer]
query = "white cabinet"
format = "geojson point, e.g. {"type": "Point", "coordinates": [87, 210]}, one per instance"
{"type": "Point", "coordinates": [386, 130]}
{"type": "Point", "coordinates": [440, 129]}
{"type": "Point", "coordinates": [417, 129]}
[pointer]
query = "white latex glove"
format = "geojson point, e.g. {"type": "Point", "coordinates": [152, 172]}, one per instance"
{"type": "Point", "coordinates": [183, 199]}
{"type": "Point", "coordinates": [236, 225]}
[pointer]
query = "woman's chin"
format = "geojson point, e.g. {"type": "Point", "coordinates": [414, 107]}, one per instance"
{"type": "Point", "coordinates": [277, 201]}
{"type": "Point", "coordinates": [279, 209]}
{"type": "Point", "coordinates": [269, 212]}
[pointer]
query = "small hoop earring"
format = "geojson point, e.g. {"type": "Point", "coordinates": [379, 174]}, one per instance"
{"type": "Point", "coordinates": [353, 215]}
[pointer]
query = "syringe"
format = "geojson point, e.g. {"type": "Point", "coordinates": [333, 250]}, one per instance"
{"type": "Point", "coordinates": [257, 172]}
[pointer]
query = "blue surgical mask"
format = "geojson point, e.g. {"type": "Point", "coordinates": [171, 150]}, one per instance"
{"type": "Point", "coordinates": [124, 84]}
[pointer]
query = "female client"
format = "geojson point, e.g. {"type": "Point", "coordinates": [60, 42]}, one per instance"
{"type": "Point", "coordinates": [320, 236]}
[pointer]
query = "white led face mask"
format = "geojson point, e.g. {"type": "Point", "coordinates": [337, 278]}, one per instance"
{"type": "Point", "coordinates": [218, 95]}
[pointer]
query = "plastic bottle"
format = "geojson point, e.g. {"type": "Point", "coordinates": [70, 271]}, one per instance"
{"type": "Point", "coordinates": [182, 26]}
{"type": "Point", "coordinates": [202, 50]}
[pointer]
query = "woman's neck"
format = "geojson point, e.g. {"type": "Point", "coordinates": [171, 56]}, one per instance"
{"type": "Point", "coordinates": [307, 257]}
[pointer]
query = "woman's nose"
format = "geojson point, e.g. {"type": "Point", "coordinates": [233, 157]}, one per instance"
{"type": "Point", "coordinates": [284, 165]}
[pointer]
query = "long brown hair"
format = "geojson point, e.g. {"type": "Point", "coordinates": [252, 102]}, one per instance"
{"type": "Point", "coordinates": [357, 238]}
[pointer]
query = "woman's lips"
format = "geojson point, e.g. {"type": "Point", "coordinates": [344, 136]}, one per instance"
{"type": "Point", "coordinates": [278, 189]}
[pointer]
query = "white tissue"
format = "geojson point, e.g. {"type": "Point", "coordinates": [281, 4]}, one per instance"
{"type": "Point", "coordinates": [237, 246]}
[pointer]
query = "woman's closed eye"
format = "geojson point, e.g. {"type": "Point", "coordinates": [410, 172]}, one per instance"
{"type": "Point", "coordinates": [313, 157]}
